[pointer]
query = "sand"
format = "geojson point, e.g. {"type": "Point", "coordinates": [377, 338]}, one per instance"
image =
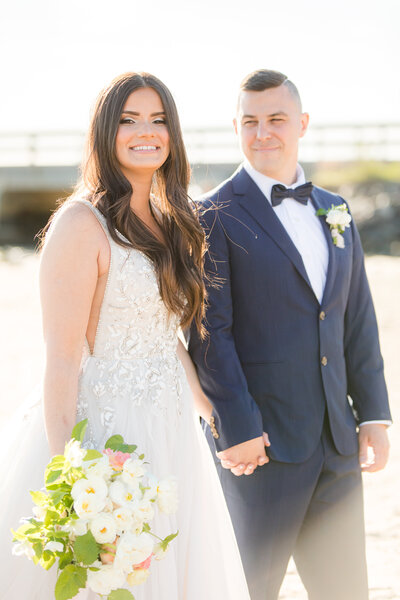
{"type": "Point", "coordinates": [21, 366]}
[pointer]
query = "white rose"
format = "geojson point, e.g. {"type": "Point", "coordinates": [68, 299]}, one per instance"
{"type": "Point", "coordinates": [54, 547]}
{"type": "Point", "coordinates": [137, 576]}
{"type": "Point", "coordinates": [93, 485]}
{"type": "Point", "coordinates": [132, 550]}
{"type": "Point", "coordinates": [132, 471]}
{"type": "Point", "coordinates": [339, 241]}
{"type": "Point", "coordinates": [74, 453]}
{"type": "Point", "coordinates": [123, 519]}
{"type": "Point", "coordinates": [100, 467]}
{"type": "Point", "coordinates": [39, 512]}
{"type": "Point", "coordinates": [76, 527]}
{"type": "Point", "coordinates": [150, 482]}
{"type": "Point", "coordinates": [168, 495]}
{"type": "Point", "coordinates": [143, 512]}
{"type": "Point", "coordinates": [122, 495]}
{"type": "Point", "coordinates": [103, 528]}
{"type": "Point", "coordinates": [87, 506]}
{"type": "Point", "coordinates": [338, 216]}
{"type": "Point", "coordinates": [23, 549]}
{"type": "Point", "coordinates": [107, 579]}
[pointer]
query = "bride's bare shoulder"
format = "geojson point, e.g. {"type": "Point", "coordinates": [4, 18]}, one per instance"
{"type": "Point", "coordinates": [75, 222]}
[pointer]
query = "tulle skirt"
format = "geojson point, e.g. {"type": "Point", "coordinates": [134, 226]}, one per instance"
{"type": "Point", "coordinates": [203, 561]}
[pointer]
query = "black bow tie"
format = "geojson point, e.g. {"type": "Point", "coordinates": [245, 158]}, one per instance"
{"type": "Point", "coordinates": [301, 193]}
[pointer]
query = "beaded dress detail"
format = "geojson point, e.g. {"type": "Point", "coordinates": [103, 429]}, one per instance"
{"type": "Point", "coordinates": [132, 383]}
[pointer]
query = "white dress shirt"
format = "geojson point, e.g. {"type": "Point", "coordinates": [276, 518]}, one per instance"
{"type": "Point", "coordinates": [304, 228]}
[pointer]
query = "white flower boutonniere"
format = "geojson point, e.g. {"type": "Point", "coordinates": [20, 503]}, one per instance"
{"type": "Point", "coordinates": [338, 219]}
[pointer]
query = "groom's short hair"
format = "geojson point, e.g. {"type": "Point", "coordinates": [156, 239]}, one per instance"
{"type": "Point", "coordinates": [263, 79]}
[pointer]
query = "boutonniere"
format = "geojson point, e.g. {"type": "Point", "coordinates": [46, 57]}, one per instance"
{"type": "Point", "coordinates": [338, 219]}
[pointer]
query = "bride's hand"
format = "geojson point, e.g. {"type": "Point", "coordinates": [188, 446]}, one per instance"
{"type": "Point", "coordinates": [244, 458]}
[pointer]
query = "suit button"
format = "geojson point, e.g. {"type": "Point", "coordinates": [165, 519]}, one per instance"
{"type": "Point", "coordinates": [324, 361]}
{"type": "Point", "coordinates": [322, 315]}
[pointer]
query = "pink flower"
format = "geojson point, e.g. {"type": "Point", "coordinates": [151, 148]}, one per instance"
{"type": "Point", "coordinates": [116, 459]}
{"type": "Point", "coordinates": [145, 564]}
{"type": "Point", "coordinates": [107, 553]}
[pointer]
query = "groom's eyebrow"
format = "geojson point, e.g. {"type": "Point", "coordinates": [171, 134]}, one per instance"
{"type": "Point", "coordinates": [276, 114]}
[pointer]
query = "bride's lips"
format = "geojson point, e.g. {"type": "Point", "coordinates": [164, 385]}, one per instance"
{"type": "Point", "coordinates": [144, 148]}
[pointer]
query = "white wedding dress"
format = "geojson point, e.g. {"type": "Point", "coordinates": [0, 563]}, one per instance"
{"type": "Point", "coordinates": [132, 384]}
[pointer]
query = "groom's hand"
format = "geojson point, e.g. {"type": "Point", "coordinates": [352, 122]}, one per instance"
{"type": "Point", "coordinates": [374, 436]}
{"type": "Point", "coordinates": [244, 458]}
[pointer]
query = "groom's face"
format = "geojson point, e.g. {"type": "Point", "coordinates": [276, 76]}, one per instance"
{"type": "Point", "coordinates": [269, 125]}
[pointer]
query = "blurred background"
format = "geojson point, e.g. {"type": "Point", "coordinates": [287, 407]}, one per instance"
{"type": "Point", "coordinates": [343, 56]}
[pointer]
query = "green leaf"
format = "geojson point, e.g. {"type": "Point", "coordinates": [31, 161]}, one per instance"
{"type": "Point", "coordinates": [78, 432]}
{"type": "Point", "coordinates": [51, 516]}
{"type": "Point", "coordinates": [39, 498]}
{"type": "Point", "coordinates": [321, 211]}
{"type": "Point", "coordinates": [56, 462]}
{"type": "Point", "coordinates": [21, 533]}
{"type": "Point", "coordinates": [86, 549]}
{"type": "Point", "coordinates": [38, 549]}
{"type": "Point", "coordinates": [116, 443]}
{"type": "Point", "coordinates": [167, 540]}
{"type": "Point", "coordinates": [146, 527]}
{"type": "Point", "coordinates": [141, 457]}
{"type": "Point", "coordinates": [92, 454]}
{"type": "Point", "coordinates": [47, 561]}
{"type": "Point", "coordinates": [52, 476]}
{"type": "Point", "coordinates": [129, 448]}
{"type": "Point", "coordinates": [57, 496]}
{"type": "Point", "coordinates": [65, 560]}
{"type": "Point", "coordinates": [121, 595]}
{"type": "Point", "coordinates": [70, 581]}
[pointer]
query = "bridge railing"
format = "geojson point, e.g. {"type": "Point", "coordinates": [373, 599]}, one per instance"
{"type": "Point", "coordinates": [338, 142]}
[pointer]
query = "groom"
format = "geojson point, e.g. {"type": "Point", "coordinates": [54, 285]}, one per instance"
{"type": "Point", "coordinates": [292, 355]}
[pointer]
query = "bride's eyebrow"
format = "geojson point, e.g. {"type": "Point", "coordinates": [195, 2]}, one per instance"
{"type": "Point", "coordinates": [136, 114]}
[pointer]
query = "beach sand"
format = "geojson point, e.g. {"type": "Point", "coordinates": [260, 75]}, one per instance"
{"type": "Point", "coordinates": [21, 367]}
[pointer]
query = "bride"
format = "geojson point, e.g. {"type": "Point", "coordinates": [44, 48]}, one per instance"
{"type": "Point", "coordinates": [121, 273]}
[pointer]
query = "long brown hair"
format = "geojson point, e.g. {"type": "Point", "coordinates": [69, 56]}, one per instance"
{"type": "Point", "coordinates": [179, 262]}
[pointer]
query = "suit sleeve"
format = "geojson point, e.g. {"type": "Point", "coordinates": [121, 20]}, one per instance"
{"type": "Point", "coordinates": [236, 415]}
{"type": "Point", "coordinates": [364, 363]}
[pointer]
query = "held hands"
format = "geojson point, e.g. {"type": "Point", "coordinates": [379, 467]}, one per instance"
{"type": "Point", "coordinates": [244, 458]}
{"type": "Point", "coordinates": [374, 436]}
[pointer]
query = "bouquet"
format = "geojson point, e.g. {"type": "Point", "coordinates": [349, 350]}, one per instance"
{"type": "Point", "coordinates": [93, 517]}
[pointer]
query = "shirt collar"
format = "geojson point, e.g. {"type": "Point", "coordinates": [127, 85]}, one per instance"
{"type": "Point", "coordinates": [265, 183]}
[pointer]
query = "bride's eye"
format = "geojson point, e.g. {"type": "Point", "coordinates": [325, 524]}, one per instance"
{"type": "Point", "coordinates": [126, 120]}
{"type": "Point", "coordinates": [160, 121]}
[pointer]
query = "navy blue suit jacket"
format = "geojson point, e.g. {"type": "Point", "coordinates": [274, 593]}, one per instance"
{"type": "Point", "coordinates": [262, 364]}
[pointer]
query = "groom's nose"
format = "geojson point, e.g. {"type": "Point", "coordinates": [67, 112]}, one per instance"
{"type": "Point", "coordinates": [263, 132]}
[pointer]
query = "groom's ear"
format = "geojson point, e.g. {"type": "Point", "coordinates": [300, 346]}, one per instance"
{"type": "Point", "coordinates": [304, 121]}
{"type": "Point", "coordinates": [235, 125]}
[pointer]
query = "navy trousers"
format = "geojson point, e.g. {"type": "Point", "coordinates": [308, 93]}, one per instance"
{"type": "Point", "coordinates": [312, 511]}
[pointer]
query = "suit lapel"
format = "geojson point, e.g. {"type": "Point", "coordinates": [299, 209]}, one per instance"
{"type": "Point", "coordinates": [332, 266]}
{"type": "Point", "coordinates": [253, 201]}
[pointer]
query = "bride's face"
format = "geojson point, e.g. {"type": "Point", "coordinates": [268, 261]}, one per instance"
{"type": "Point", "coordinates": [142, 142]}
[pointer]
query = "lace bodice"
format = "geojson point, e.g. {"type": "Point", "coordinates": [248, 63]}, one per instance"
{"type": "Point", "coordinates": [134, 354]}
{"type": "Point", "coordinates": [134, 321]}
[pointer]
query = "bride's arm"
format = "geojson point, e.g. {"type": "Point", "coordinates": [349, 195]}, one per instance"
{"type": "Point", "coordinates": [203, 406]}
{"type": "Point", "coordinates": [68, 277]}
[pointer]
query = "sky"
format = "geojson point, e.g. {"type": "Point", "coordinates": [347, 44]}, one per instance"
{"type": "Point", "coordinates": [56, 55]}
